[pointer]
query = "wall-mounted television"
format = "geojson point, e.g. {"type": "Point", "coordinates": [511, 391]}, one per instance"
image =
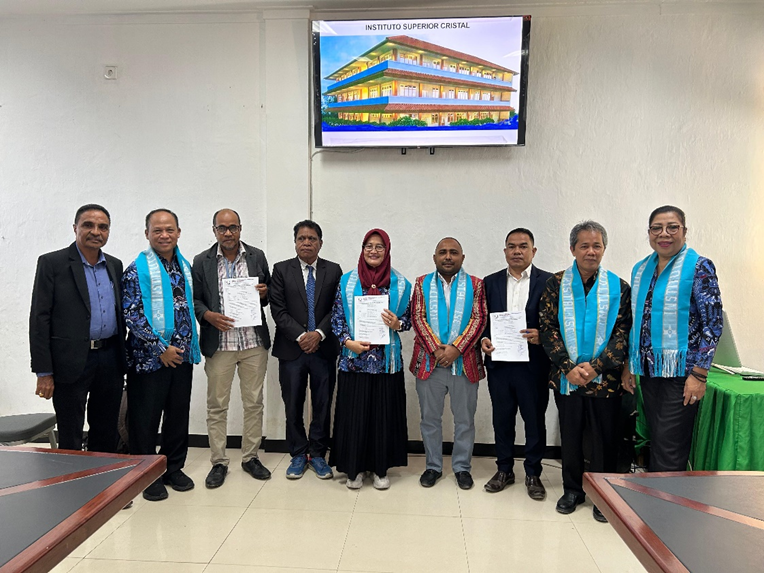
{"type": "Point", "coordinates": [435, 82]}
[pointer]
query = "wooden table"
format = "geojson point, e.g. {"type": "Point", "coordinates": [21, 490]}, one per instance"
{"type": "Point", "coordinates": [52, 500]}
{"type": "Point", "coordinates": [701, 522]}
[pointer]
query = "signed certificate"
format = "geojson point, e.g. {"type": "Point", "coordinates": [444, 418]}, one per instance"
{"type": "Point", "coordinates": [241, 301]}
{"type": "Point", "coordinates": [506, 337]}
{"type": "Point", "coordinates": [369, 326]}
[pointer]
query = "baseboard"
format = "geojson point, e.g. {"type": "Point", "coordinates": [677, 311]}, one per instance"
{"type": "Point", "coordinates": [417, 447]}
{"type": "Point", "coordinates": [414, 447]}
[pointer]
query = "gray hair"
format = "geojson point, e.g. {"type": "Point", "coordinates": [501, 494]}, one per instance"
{"type": "Point", "coordinates": [587, 226]}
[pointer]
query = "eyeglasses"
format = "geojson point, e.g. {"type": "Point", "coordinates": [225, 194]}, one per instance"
{"type": "Point", "coordinates": [671, 229]}
{"type": "Point", "coordinates": [232, 228]}
{"type": "Point", "coordinates": [376, 248]}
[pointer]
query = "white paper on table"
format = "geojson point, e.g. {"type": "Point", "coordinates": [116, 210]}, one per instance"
{"type": "Point", "coordinates": [241, 301]}
{"type": "Point", "coordinates": [369, 326]}
{"type": "Point", "coordinates": [508, 341]}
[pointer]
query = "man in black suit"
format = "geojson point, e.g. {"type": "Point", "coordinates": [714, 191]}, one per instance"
{"type": "Point", "coordinates": [302, 294]}
{"type": "Point", "coordinates": [77, 334]}
{"type": "Point", "coordinates": [227, 348]}
{"type": "Point", "coordinates": [518, 384]}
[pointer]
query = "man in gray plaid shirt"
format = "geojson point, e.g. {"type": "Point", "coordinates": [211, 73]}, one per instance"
{"type": "Point", "coordinates": [227, 348]}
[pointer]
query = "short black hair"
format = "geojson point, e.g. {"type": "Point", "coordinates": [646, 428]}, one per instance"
{"type": "Point", "coordinates": [521, 230]}
{"type": "Point", "coordinates": [668, 209]}
{"type": "Point", "coordinates": [215, 216]}
{"type": "Point", "coordinates": [90, 207]}
{"type": "Point", "coordinates": [310, 225]}
{"type": "Point", "coordinates": [177, 223]}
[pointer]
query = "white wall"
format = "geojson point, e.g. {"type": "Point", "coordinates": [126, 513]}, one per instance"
{"type": "Point", "coordinates": [630, 107]}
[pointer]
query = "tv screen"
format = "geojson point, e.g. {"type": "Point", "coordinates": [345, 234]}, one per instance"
{"type": "Point", "coordinates": [421, 82]}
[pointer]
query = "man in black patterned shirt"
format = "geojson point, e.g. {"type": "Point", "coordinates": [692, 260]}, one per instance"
{"type": "Point", "coordinates": [588, 354]}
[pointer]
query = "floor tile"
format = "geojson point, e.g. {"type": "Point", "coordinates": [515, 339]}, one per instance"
{"type": "Point", "coordinates": [406, 496]}
{"type": "Point", "coordinates": [510, 545]}
{"type": "Point", "coordinates": [306, 494]}
{"type": "Point", "coordinates": [238, 490]}
{"type": "Point", "coordinates": [609, 551]}
{"type": "Point", "coordinates": [404, 543]}
{"type": "Point", "coordinates": [84, 548]}
{"type": "Point", "coordinates": [220, 568]}
{"type": "Point", "coordinates": [116, 566]}
{"type": "Point", "coordinates": [163, 532]}
{"type": "Point", "coordinates": [511, 503]}
{"type": "Point", "coordinates": [66, 565]}
{"type": "Point", "coordinates": [286, 538]}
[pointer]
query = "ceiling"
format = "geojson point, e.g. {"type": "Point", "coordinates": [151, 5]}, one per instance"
{"type": "Point", "coordinates": [80, 7]}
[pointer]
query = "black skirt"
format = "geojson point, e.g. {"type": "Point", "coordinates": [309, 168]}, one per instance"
{"type": "Point", "coordinates": [370, 430]}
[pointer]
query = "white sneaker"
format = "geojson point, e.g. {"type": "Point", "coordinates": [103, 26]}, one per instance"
{"type": "Point", "coordinates": [381, 482]}
{"type": "Point", "coordinates": [356, 483]}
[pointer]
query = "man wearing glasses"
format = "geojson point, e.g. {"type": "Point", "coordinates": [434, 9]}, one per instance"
{"type": "Point", "coordinates": [227, 348]}
{"type": "Point", "coordinates": [302, 295]}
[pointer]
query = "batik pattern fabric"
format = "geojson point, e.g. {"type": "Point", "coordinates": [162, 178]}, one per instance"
{"type": "Point", "coordinates": [144, 344]}
{"type": "Point", "coordinates": [375, 360]}
{"type": "Point", "coordinates": [706, 320]}
{"type": "Point", "coordinates": [608, 364]}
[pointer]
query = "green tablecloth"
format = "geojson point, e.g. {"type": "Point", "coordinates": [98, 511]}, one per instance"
{"type": "Point", "coordinates": [729, 429]}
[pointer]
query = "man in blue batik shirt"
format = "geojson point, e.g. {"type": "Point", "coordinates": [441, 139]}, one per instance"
{"type": "Point", "coordinates": [162, 347]}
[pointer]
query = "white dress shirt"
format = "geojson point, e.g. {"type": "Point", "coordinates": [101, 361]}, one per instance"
{"type": "Point", "coordinates": [518, 290]}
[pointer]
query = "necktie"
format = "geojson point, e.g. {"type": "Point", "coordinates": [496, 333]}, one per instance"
{"type": "Point", "coordinates": [310, 291]}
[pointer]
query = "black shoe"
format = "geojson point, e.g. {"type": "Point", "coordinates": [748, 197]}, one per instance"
{"type": "Point", "coordinates": [536, 489]}
{"type": "Point", "coordinates": [568, 502]}
{"type": "Point", "coordinates": [256, 469]}
{"type": "Point", "coordinates": [597, 514]}
{"type": "Point", "coordinates": [156, 491]}
{"type": "Point", "coordinates": [499, 481]}
{"type": "Point", "coordinates": [216, 477]}
{"type": "Point", "coordinates": [129, 504]}
{"type": "Point", "coordinates": [464, 480]}
{"type": "Point", "coordinates": [429, 477]}
{"type": "Point", "coordinates": [178, 481]}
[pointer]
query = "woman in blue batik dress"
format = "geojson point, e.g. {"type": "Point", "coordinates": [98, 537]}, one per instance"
{"type": "Point", "coordinates": [370, 430]}
{"type": "Point", "coordinates": [677, 310]}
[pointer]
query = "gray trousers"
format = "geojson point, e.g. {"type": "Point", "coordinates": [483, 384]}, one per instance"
{"type": "Point", "coordinates": [432, 396]}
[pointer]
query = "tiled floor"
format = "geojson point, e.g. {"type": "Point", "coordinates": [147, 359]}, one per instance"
{"type": "Point", "coordinates": [283, 526]}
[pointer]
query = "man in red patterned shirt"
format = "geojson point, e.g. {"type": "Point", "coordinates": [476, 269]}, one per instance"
{"type": "Point", "coordinates": [449, 313]}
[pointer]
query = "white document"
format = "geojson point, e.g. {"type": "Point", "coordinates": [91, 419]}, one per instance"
{"type": "Point", "coordinates": [241, 301]}
{"type": "Point", "coordinates": [369, 326]}
{"type": "Point", "coordinates": [508, 341]}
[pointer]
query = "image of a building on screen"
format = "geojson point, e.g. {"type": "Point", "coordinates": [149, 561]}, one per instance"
{"type": "Point", "coordinates": [403, 80]}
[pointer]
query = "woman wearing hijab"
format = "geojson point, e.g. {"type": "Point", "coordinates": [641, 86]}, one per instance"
{"type": "Point", "coordinates": [677, 310]}
{"type": "Point", "coordinates": [370, 431]}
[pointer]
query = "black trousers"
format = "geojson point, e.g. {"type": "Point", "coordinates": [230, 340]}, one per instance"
{"type": "Point", "coordinates": [100, 387]}
{"type": "Point", "coordinates": [293, 377]}
{"type": "Point", "coordinates": [163, 394]}
{"type": "Point", "coordinates": [600, 415]}
{"type": "Point", "coordinates": [671, 423]}
{"type": "Point", "coordinates": [513, 385]}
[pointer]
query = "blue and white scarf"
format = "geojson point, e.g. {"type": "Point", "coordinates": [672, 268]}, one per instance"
{"type": "Point", "coordinates": [587, 320]}
{"type": "Point", "coordinates": [670, 318]}
{"type": "Point", "coordinates": [399, 295]}
{"type": "Point", "coordinates": [448, 322]}
{"type": "Point", "coordinates": [156, 293]}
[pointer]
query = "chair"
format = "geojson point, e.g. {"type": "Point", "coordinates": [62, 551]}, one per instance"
{"type": "Point", "coordinates": [22, 428]}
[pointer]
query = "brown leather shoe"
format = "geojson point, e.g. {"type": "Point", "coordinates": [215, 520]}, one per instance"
{"type": "Point", "coordinates": [499, 481]}
{"type": "Point", "coordinates": [535, 488]}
